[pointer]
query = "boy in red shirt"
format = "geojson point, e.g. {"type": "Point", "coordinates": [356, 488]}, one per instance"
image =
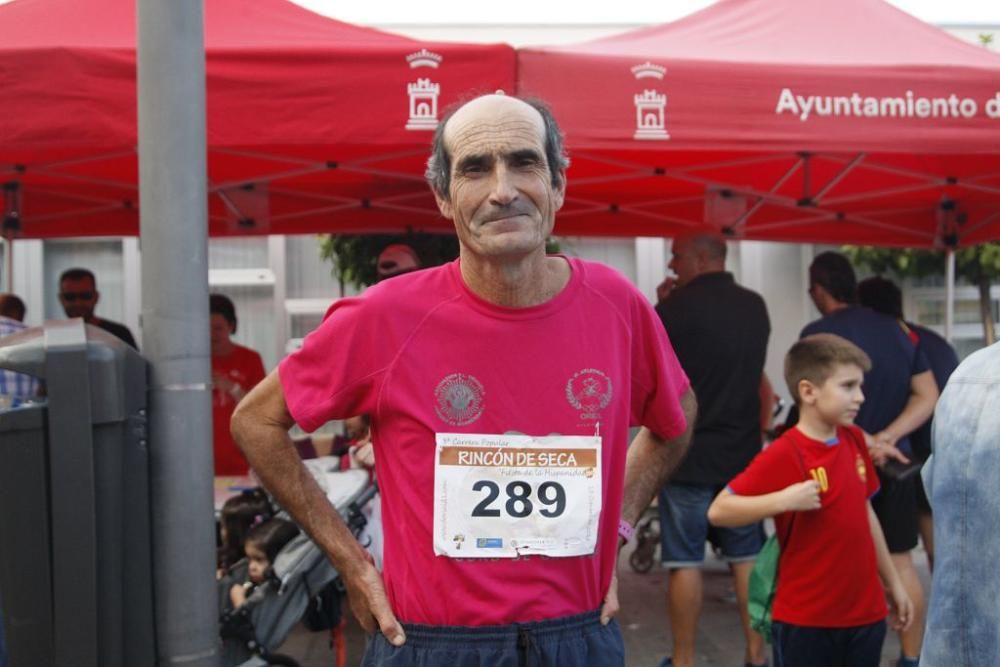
{"type": "Point", "coordinates": [815, 480]}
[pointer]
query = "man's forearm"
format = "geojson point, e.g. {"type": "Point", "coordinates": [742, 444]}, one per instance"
{"type": "Point", "coordinates": [265, 442]}
{"type": "Point", "coordinates": [919, 407]}
{"type": "Point", "coordinates": [651, 460]}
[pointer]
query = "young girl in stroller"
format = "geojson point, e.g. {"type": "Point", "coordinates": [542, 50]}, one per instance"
{"type": "Point", "coordinates": [299, 584]}
{"type": "Point", "coordinates": [238, 515]}
{"type": "Point", "coordinates": [262, 544]}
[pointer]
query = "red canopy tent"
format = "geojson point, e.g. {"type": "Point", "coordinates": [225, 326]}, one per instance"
{"type": "Point", "coordinates": [313, 124]}
{"type": "Point", "coordinates": [802, 120]}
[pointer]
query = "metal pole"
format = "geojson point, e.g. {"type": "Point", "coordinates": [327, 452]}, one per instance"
{"type": "Point", "coordinates": [173, 233]}
{"type": "Point", "coordinates": [949, 294]}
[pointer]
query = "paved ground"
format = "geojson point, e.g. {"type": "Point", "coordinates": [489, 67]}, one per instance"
{"type": "Point", "coordinates": [643, 620]}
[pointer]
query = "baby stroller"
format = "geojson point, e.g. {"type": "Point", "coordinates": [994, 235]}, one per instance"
{"type": "Point", "coordinates": [304, 584]}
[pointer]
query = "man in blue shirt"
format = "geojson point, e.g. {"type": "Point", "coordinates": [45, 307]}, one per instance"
{"type": "Point", "coordinates": [884, 296]}
{"type": "Point", "coordinates": [900, 393]}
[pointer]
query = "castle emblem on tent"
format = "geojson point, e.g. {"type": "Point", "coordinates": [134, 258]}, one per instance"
{"type": "Point", "coordinates": [424, 58]}
{"type": "Point", "coordinates": [423, 104]}
{"type": "Point", "coordinates": [650, 105]}
{"type": "Point", "coordinates": [650, 123]}
{"type": "Point", "coordinates": [423, 92]}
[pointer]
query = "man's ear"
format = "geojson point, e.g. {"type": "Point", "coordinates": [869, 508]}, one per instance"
{"type": "Point", "coordinates": [444, 205]}
{"type": "Point", "coordinates": [822, 296]}
{"type": "Point", "coordinates": [559, 195]}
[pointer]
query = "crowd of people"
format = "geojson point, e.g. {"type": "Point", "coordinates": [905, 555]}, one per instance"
{"type": "Point", "coordinates": [497, 393]}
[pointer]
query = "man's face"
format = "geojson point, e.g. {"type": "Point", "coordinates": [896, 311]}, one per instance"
{"type": "Point", "coordinates": [219, 332]}
{"type": "Point", "coordinates": [683, 261]}
{"type": "Point", "coordinates": [78, 297]}
{"type": "Point", "coordinates": [502, 200]}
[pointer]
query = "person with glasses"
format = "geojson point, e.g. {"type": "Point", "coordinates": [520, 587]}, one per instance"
{"type": "Point", "coordinates": [78, 295]}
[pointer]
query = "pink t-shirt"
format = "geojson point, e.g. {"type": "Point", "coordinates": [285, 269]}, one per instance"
{"type": "Point", "coordinates": [422, 355]}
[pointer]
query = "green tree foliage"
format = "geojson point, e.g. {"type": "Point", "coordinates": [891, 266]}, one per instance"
{"type": "Point", "coordinates": [354, 256]}
{"type": "Point", "coordinates": [978, 265]}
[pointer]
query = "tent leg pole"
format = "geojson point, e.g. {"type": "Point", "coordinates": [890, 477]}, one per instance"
{"type": "Point", "coordinates": [173, 227]}
{"type": "Point", "coordinates": [949, 295]}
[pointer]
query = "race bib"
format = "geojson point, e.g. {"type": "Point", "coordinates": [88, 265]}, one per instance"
{"type": "Point", "coordinates": [504, 496]}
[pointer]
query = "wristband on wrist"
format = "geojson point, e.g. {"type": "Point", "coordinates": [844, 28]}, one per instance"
{"type": "Point", "coordinates": [626, 530]}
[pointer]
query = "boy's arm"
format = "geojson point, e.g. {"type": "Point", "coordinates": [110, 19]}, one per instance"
{"type": "Point", "coordinates": [730, 510]}
{"type": "Point", "coordinates": [902, 607]}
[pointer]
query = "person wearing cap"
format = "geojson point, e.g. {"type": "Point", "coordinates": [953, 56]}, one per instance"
{"type": "Point", "coordinates": [395, 260]}
{"type": "Point", "coordinates": [501, 388]}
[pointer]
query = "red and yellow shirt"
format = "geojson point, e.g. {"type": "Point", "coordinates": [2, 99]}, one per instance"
{"type": "Point", "coordinates": [828, 573]}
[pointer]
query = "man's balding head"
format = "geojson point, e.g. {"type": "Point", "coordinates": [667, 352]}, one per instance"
{"type": "Point", "coordinates": [439, 164]}
{"type": "Point", "coordinates": [697, 253]}
{"type": "Point", "coordinates": [498, 174]}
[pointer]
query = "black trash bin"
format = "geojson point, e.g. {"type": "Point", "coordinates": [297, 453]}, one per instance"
{"type": "Point", "coordinates": [75, 557]}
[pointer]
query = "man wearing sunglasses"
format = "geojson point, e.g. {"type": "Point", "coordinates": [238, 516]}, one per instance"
{"type": "Point", "coordinates": [78, 295]}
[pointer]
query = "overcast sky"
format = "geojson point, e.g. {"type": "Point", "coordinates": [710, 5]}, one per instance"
{"type": "Point", "coordinates": [616, 11]}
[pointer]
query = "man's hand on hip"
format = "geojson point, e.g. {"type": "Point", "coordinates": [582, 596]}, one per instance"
{"type": "Point", "coordinates": [370, 604]}
{"type": "Point", "coordinates": [611, 606]}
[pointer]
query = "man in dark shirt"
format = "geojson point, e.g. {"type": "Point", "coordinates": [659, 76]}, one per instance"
{"type": "Point", "coordinates": [884, 296]}
{"type": "Point", "coordinates": [719, 331]}
{"type": "Point", "coordinates": [900, 394]}
{"type": "Point", "coordinates": [78, 295]}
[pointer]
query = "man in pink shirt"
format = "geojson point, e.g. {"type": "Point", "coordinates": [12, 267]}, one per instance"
{"type": "Point", "coordinates": [501, 388]}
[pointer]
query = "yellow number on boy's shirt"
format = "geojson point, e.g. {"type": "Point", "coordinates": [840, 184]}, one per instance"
{"type": "Point", "coordinates": [819, 474]}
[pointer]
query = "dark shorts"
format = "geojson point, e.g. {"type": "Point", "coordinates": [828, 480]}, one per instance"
{"type": "Point", "coordinates": [800, 646]}
{"type": "Point", "coordinates": [923, 503]}
{"type": "Point", "coordinates": [684, 528]}
{"type": "Point", "coordinates": [895, 506]}
{"type": "Point", "coordinates": [573, 641]}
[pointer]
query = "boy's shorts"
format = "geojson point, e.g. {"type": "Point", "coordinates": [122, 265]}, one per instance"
{"type": "Point", "coordinates": [801, 646]}
{"type": "Point", "coordinates": [684, 528]}
{"type": "Point", "coordinates": [573, 641]}
{"type": "Point", "coordinates": [895, 506]}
